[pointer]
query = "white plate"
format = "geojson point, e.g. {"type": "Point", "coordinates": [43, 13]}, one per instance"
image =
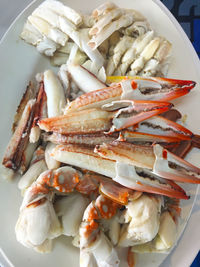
{"type": "Point", "coordinates": [20, 62]}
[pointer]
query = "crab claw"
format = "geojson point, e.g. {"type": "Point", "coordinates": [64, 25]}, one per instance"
{"type": "Point", "coordinates": [170, 166]}
{"type": "Point", "coordinates": [136, 88]}
{"type": "Point", "coordinates": [145, 138]}
{"type": "Point", "coordinates": [132, 112]}
{"type": "Point", "coordinates": [145, 181]}
{"type": "Point", "coordinates": [156, 158]}
{"type": "Point", "coordinates": [117, 193]}
{"type": "Point", "coordinates": [161, 126]}
{"type": "Point", "coordinates": [154, 88]}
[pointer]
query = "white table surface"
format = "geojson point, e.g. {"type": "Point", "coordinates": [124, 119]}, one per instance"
{"type": "Point", "coordinates": [190, 241]}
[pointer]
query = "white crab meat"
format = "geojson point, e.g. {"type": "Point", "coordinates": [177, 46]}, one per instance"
{"type": "Point", "coordinates": [31, 231]}
{"type": "Point", "coordinates": [47, 30]}
{"type": "Point", "coordinates": [105, 20]}
{"type": "Point", "coordinates": [99, 73]}
{"type": "Point", "coordinates": [87, 259]}
{"type": "Point", "coordinates": [121, 47]}
{"type": "Point", "coordinates": [165, 238]}
{"type": "Point", "coordinates": [104, 253]}
{"type": "Point", "coordinates": [6, 173]}
{"type": "Point", "coordinates": [138, 28]}
{"type": "Point", "coordinates": [138, 46]}
{"type": "Point", "coordinates": [144, 220]}
{"type": "Point", "coordinates": [124, 21]}
{"type": "Point", "coordinates": [114, 230]}
{"type": "Point", "coordinates": [71, 209]}
{"type": "Point", "coordinates": [58, 59]}
{"type": "Point", "coordinates": [55, 94]}
{"type": "Point", "coordinates": [103, 9]}
{"type": "Point", "coordinates": [88, 21]}
{"type": "Point", "coordinates": [167, 232]}
{"type": "Point", "coordinates": [30, 34]}
{"type": "Point", "coordinates": [32, 174]}
{"type": "Point", "coordinates": [64, 78]}
{"type": "Point", "coordinates": [146, 55]}
{"type": "Point", "coordinates": [93, 54]}
{"type": "Point", "coordinates": [47, 47]}
{"type": "Point", "coordinates": [62, 10]}
{"type": "Point", "coordinates": [50, 161]}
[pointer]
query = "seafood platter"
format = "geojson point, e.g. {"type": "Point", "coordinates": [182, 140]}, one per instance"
{"type": "Point", "coordinates": [101, 169]}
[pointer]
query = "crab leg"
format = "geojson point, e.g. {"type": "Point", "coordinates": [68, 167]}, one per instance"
{"type": "Point", "coordinates": [81, 156]}
{"type": "Point", "coordinates": [170, 166]}
{"type": "Point", "coordinates": [124, 21]}
{"type": "Point", "coordinates": [105, 20]}
{"type": "Point", "coordinates": [103, 9]}
{"type": "Point", "coordinates": [130, 112]}
{"type": "Point", "coordinates": [62, 10]}
{"type": "Point", "coordinates": [145, 138]}
{"type": "Point", "coordinates": [136, 88]}
{"type": "Point", "coordinates": [162, 126]}
{"type": "Point", "coordinates": [84, 139]}
{"type": "Point", "coordinates": [84, 157]}
{"type": "Point", "coordinates": [37, 166]}
{"type": "Point", "coordinates": [13, 155]}
{"type": "Point", "coordinates": [162, 162]}
{"type": "Point", "coordinates": [40, 112]}
{"type": "Point", "coordinates": [146, 181]}
{"type": "Point", "coordinates": [82, 122]}
{"type": "Point", "coordinates": [96, 120]}
{"type": "Point", "coordinates": [30, 93]}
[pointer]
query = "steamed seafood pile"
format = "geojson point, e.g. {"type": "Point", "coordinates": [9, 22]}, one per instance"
{"type": "Point", "coordinates": [109, 147]}
{"type": "Point", "coordinates": [119, 39]}
{"type": "Point", "coordinates": [108, 153]}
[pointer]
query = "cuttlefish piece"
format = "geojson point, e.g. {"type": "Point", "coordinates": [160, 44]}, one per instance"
{"type": "Point", "coordinates": [135, 88]}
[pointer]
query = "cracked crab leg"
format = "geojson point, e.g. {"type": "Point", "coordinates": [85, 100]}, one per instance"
{"type": "Point", "coordinates": [84, 139]}
{"type": "Point", "coordinates": [84, 157]}
{"type": "Point", "coordinates": [37, 166]}
{"type": "Point", "coordinates": [97, 120]}
{"type": "Point", "coordinates": [105, 20]}
{"type": "Point", "coordinates": [123, 21]}
{"type": "Point", "coordinates": [30, 93]}
{"type": "Point", "coordinates": [161, 161]}
{"type": "Point", "coordinates": [62, 10]}
{"type": "Point", "coordinates": [40, 112]}
{"type": "Point", "coordinates": [162, 126]}
{"type": "Point", "coordinates": [130, 112]}
{"type": "Point", "coordinates": [15, 149]}
{"type": "Point", "coordinates": [145, 138]}
{"type": "Point", "coordinates": [103, 9]}
{"type": "Point", "coordinates": [82, 122]}
{"type": "Point", "coordinates": [136, 88]}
